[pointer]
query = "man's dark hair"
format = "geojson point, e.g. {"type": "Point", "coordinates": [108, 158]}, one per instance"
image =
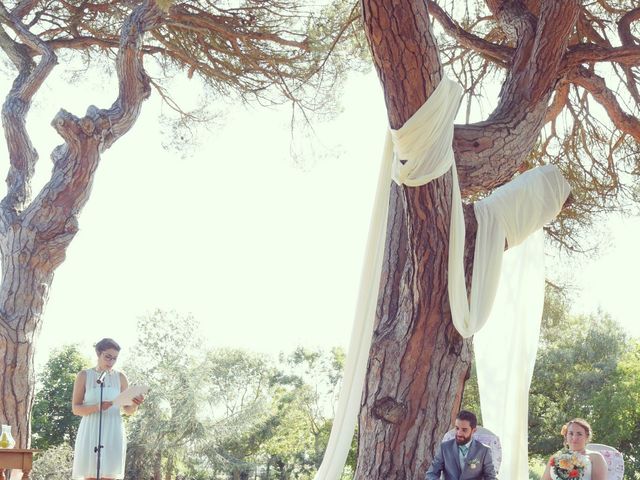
{"type": "Point", "coordinates": [469, 417]}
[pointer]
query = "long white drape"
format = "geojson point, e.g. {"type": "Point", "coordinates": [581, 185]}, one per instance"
{"type": "Point", "coordinates": [423, 151]}
{"type": "Point", "coordinates": [505, 352]}
{"type": "Point", "coordinates": [505, 348]}
{"type": "Point", "coordinates": [355, 368]}
{"type": "Point", "coordinates": [428, 155]}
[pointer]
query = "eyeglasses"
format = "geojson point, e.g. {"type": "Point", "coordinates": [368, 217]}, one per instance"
{"type": "Point", "coordinates": [109, 357]}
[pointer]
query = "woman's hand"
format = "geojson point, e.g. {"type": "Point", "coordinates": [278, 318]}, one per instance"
{"type": "Point", "coordinates": [131, 409]}
{"type": "Point", "coordinates": [137, 400]}
{"type": "Point", "coordinates": [547, 472]}
{"type": "Point", "coordinates": [105, 406]}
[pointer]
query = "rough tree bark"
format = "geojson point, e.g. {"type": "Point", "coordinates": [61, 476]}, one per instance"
{"type": "Point", "coordinates": [34, 235]}
{"type": "Point", "coordinates": [418, 363]}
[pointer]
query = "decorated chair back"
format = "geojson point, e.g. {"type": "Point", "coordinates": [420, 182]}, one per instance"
{"type": "Point", "coordinates": [615, 462]}
{"type": "Point", "coordinates": [486, 437]}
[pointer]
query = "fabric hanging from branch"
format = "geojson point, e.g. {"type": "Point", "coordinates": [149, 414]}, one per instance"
{"type": "Point", "coordinates": [505, 348]}
{"type": "Point", "coordinates": [423, 151]}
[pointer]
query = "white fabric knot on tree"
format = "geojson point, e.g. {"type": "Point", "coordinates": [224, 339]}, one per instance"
{"type": "Point", "coordinates": [511, 213]}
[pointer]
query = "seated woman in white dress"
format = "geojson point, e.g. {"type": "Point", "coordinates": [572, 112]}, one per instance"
{"type": "Point", "coordinates": [585, 464]}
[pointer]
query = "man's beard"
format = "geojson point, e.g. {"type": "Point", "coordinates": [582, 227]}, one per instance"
{"type": "Point", "coordinates": [462, 440]}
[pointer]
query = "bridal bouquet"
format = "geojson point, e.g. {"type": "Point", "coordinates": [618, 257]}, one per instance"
{"type": "Point", "coordinates": [567, 465]}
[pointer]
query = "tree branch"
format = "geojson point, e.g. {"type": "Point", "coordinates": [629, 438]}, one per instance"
{"type": "Point", "coordinates": [495, 53]}
{"type": "Point", "coordinates": [629, 40]}
{"type": "Point", "coordinates": [597, 87]}
{"type": "Point", "coordinates": [589, 53]}
{"type": "Point", "coordinates": [559, 102]}
{"type": "Point", "coordinates": [489, 153]}
{"type": "Point", "coordinates": [190, 17]}
{"type": "Point", "coordinates": [516, 19]}
{"type": "Point", "coordinates": [624, 27]}
{"type": "Point", "coordinates": [53, 213]}
{"type": "Point", "coordinates": [23, 8]}
{"type": "Point", "coordinates": [22, 154]}
{"type": "Point", "coordinates": [586, 29]}
{"type": "Point", "coordinates": [495, 6]}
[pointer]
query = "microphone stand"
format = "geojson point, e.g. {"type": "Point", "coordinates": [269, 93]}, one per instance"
{"type": "Point", "coordinates": [99, 447]}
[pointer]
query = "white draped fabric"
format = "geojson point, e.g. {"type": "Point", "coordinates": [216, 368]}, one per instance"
{"type": "Point", "coordinates": [425, 144]}
{"type": "Point", "coordinates": [505, 348]}
{"type": "Point", "coordinates": [505, 351]}
{"type": "Point", "coordinates": [423, 152]}
{"type": "Point", "coordinates": [355, 368]}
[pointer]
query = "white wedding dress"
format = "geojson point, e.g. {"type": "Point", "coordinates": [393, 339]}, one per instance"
{"type": "Point", "coordinates": [586, 475]}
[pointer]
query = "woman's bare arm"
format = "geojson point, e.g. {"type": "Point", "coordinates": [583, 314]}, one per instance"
{"type": "Point", "coordinates": [547, 473]}
{"type": "Point", "coordinates": [599, 470]}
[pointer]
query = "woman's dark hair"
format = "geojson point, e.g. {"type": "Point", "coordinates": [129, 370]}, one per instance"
{"type": "Point", "coordinates": [106, 344]}
{"type": "Point", "coordinates": [469, 417]}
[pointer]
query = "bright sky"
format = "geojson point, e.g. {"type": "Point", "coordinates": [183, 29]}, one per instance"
{"type": "Point", "coordinates": [264, 252]}
{"type": "Point", "coordinates": [610, 280]}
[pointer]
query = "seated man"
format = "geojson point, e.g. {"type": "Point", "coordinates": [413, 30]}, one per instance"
{"type": "Point", "coordinates": [463, 456]}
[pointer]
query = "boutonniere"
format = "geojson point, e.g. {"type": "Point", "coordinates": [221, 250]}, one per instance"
{"type": "Point", "coordinates": [473, 464]}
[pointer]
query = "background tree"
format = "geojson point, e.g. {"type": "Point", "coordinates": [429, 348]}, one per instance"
{"type": "Point", "coordinates": [207, 412]}
{"type": "Point", "coordinates": [548, 58]}
{"type": "Point", "coordinates": [305, 394]}
{"type": "Point", "coordinates": [617, 410]}
{"type": "Point", "coordinates": [226, 411]}
{"type": "Point", "coordinates": [54, 423]}
{"type": "Point", "coordinates": [239, 397]}
{"type": "Point", "coordinates": [586, 367]}
{"type": "Point", "coordinates": [167, 358]}
{"type": "Point", "coordinates": [264, 51]}
{"type": "Point", "coordinates": [576, 364]}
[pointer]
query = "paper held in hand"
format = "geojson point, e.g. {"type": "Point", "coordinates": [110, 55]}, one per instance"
{"type": "Point", "coordinates": [126, 398]}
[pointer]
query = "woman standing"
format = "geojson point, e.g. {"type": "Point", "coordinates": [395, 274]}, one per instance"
{"type": "Point", "coordinates": [587, 464]}
{"type": "Point", "coordinates": [86, 403]}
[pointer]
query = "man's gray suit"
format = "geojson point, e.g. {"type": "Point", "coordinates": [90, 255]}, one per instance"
{"type": "Point", "coordinates": [478, 463]}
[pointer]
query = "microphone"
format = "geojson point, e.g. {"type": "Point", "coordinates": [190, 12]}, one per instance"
{"type": "Point", "coordinates": [100, 380]}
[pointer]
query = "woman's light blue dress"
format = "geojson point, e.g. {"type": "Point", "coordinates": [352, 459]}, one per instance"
{"type": "Point", "coordinates": [113, 453]}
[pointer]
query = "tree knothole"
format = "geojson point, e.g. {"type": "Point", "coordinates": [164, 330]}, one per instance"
{"type": "Point", "coordinates": [389, 410]}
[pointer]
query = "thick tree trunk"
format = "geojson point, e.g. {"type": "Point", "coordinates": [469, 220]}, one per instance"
{"type": "Point", "coordinates": [418, 362]}
{"type": "Point", "coordinates": [27, 272]}
{"type": "Point", "coordinates": [34, 235]}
